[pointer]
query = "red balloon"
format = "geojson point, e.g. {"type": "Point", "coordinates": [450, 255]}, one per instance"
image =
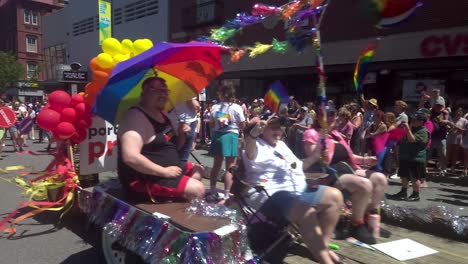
{"type": "Point", "coordinates": [59, 100]}
{"type": "Point", "coordinates": [68, 115]}
{"type": "Point", "coordinates": [79, 136]}
{"type": "Point", "coordinates": [76, 99]}
{"type": "Point", "coordinates": [81, 110]}
{"type": "Point", "coordinates": [85, 122]}
{"type": "Point", "coordinates": [64, 130]}
{"type": "Point", "coordinates": [48, 119]}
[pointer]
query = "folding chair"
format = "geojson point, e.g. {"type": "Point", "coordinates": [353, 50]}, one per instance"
{"type": "Point", "coordinates": [269, 238]}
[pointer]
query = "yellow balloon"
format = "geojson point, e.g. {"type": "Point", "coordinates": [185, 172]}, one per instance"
{"type": "Point", "coordinates": [111, 46]}
{"type": "Point", "coordinates": [141, 45]}
{"type": "Point", "coordinates": [127, 46]}
{"type": "Point", "coordinates": [105, 61]}
{"type": "Point", "coordinates": [120, 57]}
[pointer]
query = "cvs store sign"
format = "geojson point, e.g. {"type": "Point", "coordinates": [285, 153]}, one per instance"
{"type": "Point", "coordinates": [444, 45]}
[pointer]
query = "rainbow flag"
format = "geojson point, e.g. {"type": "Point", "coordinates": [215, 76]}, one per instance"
{"type": "Point", "coordinates": [361, 65]}
{"type": "Point", "coordinates": [276, 96]}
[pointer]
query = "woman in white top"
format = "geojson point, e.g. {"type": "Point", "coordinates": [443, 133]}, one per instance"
{"type": "Point", "coordinates": [226, 120]}
{"type": "Point", "coordinates": [314, 209]}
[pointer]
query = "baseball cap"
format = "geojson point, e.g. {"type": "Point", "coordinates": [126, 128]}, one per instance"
{"type": "Point", "coordinates": [440, 101]}
{"type": "Point", "coordinates": [420, 115]}
{"type": "Point", "coordinates": [305, 108]}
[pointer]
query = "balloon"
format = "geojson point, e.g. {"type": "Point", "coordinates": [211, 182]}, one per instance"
{"type": "Point", "coordinates": [59, 100]}
{"type": "Point", "coordinates": [48, 119]}
{"type": "Point", "coordinates": [68, 115]}
{"type": "Point", "coordinates": [64, 130]}
{"type": "Point", "coordinates": [105, 61]}
{"type": "Point", "coordinates": [76, 99]}
{"type": "Point", "coordinates": [92, 88]}
{"type": "Point", "coordinates": [93, 65]}
{"type": "Point", "coordinates": [90, 98]}
{"type": "Point", "coordinates": [81, 110]}
{"type": "Point", "coordinates": [127, 46]}
{"type": "Point", "coordinates": [100, 78]}
{"type": "Point", "coordinates": [111, 46]}
{"type": "Point", "coordinates": [79, 136]}
{"type": "Point", "coordinates": [120, 57]}
{"type": "Point", "coordinates": [85, 122]}
{"type": "Point", "coordinates": [141, 45]}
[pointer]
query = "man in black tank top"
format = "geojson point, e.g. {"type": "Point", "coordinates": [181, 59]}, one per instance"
{"type": "Point", "coordinates": [148, 162]}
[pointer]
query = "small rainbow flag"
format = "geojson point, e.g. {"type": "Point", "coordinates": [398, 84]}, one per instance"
{"type": "Point", "coordinates": [361, 65]}
{"type": "Point", "coordinates": [276, 96]}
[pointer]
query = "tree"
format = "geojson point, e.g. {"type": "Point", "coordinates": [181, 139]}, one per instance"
{"type": "Point", "coordinates": [10, 70]}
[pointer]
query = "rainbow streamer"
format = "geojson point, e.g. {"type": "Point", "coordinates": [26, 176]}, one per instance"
{"type": "Point", "coordinates": [275, 96]}
{"type": "Point", "coordinates": [361, 65]}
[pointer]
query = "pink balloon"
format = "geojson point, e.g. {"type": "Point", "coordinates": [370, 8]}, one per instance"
{"type": "Point", "coordinates": [81, 110]}
{"type": "Point", "coordinates": [59, 100]}
{"type": "Point", "coordinates": [85, 122]}
{"type": "Point", "coordinates": [68, 115]}
{"type": "Point", "coordinates": [48, 119]}
{"type": "Point", "coordinates": [64, 130]}
{"type": "Point", "coordinates": [76, 99]}
{"type": "Point", "coordinates": [79, 136]}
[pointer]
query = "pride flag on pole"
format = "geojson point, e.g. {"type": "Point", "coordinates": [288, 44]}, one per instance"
{"type": "Point", "coordinates": [276, 96]}
{"type": "Point", "coordinates": [362, 64]}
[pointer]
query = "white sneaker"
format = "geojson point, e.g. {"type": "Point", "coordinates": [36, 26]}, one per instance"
{"type": "Point", "coordinates": [394, 177]}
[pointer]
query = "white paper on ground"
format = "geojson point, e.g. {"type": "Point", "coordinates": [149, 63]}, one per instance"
{"type": "Point", "coordinates": [404, 249]}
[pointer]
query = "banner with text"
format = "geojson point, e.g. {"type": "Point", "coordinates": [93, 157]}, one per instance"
{"type": "Point", "coordinates": [98, 153]}
{"type": "Point", "coordinates": [105, 20]}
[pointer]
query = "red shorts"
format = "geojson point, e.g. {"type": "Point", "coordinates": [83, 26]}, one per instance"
{"type": "Point", "coordinates": [164, 187]}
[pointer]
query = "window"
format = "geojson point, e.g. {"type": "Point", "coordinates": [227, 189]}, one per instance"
{"type": "Point", "coordinates": [32, 69]}
{"type": "Point", "coordinates": [34, 18]}
{"type": "Point", "coordinates": [27, 16]}
{"type": "Point", "coordinates": [31, 44]}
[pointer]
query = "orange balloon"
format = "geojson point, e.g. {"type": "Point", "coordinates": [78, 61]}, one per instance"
{"type": "Point", "coordinates": [92, 88]}
{"type": "Point", "coordinates": [90, 98]}
{"type": "Point", "coordinates": [93, 64]}
{"type": "Point", "coordinates": [100, 78]}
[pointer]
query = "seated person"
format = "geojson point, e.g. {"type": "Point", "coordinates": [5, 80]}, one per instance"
{"type": "Point", "coordinates": [148, 160]}
{"type": "Point", "coordinates": [364, 185]}
{"type": "Point", "coordinates": [270, 163]}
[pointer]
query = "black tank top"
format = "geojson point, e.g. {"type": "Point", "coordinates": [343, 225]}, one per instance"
{"type": "Point", "coordinates": [340, 154]}
{"type": "Point", "coordinates": [162, 151]}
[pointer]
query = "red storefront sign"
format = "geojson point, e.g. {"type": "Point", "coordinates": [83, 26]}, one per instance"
{"type": "Point", "coordinates": [444, 45]}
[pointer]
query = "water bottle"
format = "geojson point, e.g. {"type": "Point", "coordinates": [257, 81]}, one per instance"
{"type": "Point", "coordinates": [374, 225]}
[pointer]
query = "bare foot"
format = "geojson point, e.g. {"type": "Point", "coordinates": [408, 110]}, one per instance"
{"type": "Point", "coordinates": [424, 184]}
{"type": "Point", "coordinates": [335, 257]}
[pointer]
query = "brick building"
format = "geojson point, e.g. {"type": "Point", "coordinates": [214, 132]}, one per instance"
{"type": "Point", "coordinates": [21, 31]}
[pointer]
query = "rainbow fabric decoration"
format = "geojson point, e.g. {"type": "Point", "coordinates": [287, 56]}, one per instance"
{"type": "Point", "coordinates": [391, 12]}
{"type": "Point", "coordinates": [361, 65]}
{"type": "Point", "coordinates": [187, 68]}
{"type": "Point", "coordinates": [276, 96]}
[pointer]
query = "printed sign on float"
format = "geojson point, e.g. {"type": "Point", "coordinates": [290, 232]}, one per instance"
{"type": "Point", "coordinates": [7, 117]}
{"type": "Point", "coordinates": [98, 152]}
{"type": "Point", "coordinates": [26, 125]}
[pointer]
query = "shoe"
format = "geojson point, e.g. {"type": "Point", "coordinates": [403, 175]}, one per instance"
{"type": "Point", "coordinates": [402, 195]}
{"type": "Point", "coordinates": [442, 172]}
{"type": "Point", "coordinates": [385, 233]}
{"type": "Point", "coordinates": [414, 197]}
{"type": "Point", "coordinates": [362, 233]}
{"type": "Point", "coordinates": [25, 145]}
{"type": "Point", "coordinates": [21, 149]}
{"type": "Point", "coordinates": [394, 177]}
{"type": "Point", "coordinates": [214, 197]}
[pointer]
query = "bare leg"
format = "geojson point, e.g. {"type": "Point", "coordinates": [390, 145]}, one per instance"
{"type": "Point", "coordinates": [197, 172]}
{"type": "Point", "coordinates": [416, 185]}
{"type": "Point", "coordinates": [379, 185]}
{"type": "Point", "coordinates": [230, 162]}
{"type": "Point", "coordinates": [217, 162]}
{"type": "Point", "coordinates": [306, 218]}
{"type": "Point", "coordinates": [329, 212]}
{"type": "Point", "coordinates": [194, 189]}
{"type": "Point", "coordinates": [361, 191]}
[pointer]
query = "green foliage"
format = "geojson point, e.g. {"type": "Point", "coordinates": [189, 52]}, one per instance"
{"type": "Point", "coordinates": [10, 70]}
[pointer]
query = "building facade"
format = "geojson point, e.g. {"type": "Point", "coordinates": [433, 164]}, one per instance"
{"type": "Point", "coordinates": [430, 47]}
{"type": "Point", "coordinates": [73, 32]}
{"type": "Point", "coordinates": [21, 28]}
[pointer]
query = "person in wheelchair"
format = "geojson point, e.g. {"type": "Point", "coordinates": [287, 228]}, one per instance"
{"type": "Point", "coordinates": [367, 187]}
{"type": "Point", "coordinates": [270, 163]}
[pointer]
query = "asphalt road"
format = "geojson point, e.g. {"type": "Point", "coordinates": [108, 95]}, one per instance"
{"type": "Point", "coordinates": [41, 240]}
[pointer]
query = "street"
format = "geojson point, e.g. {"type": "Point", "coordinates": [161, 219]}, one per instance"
{"type": "Point", "coordinates": [40, 240]}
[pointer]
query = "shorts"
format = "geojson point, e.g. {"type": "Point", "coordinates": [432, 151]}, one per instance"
{"type": "Point", "coordinates": [162, 187]}
{"type": "Point", "coordinates": [412, 170]}
{"type": "Point", "coordinates": [13, 129]}
{"type": "Point", "coordinates": [278, 206]}
{"type": "Point", "coordinates": [224, 144]}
